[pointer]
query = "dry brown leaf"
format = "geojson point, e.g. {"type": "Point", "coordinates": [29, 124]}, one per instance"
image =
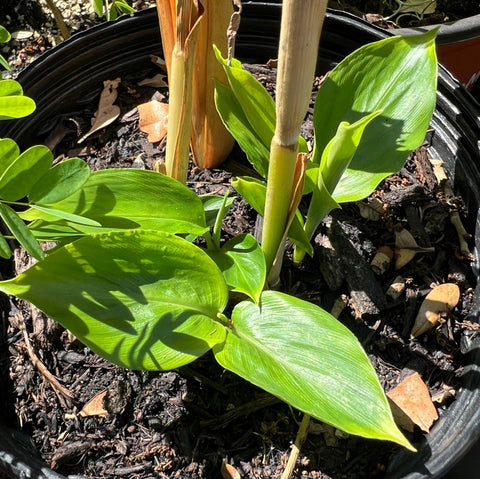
{"type": "Point", "coordinates": [229, 472]}
{"type": "Point", "coordinates": [412, 405]}
{"type": "Point", "coordinates": [371, 209]}
{"type": "Point", "coordinates": [107, 112]}
{"type": "Point", "coordinates": [440, 300]}
{"type": "Point", "coordinates": [94, 407]}
{"type": "Point", "coordinates": [406, 248]}
{"type": "Point", "coordinates": [157, 81]}
{"type": "Point", "coordinates": [153, 120]}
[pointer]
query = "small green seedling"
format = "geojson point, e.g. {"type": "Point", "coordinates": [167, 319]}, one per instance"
{"type": "Point", "coordinates": [111, 10]}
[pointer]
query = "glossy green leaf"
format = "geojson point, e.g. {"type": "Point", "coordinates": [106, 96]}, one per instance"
{"type": "Point", "coordinates": [98, 7]}
{"type": "Point", "coordinates": [255, 191]}
{"type": "Point", "coordinates": [5, 251]}
{"type": "Point", "coordinates": [237, 124]}
{"type": "Point", "coordinates": [70, 217]}
{"type": "Point", "coordinates": [18, 179]}
{"type": "Point", "coordinates": [336, 158]}
{"type": "Point", "coordinates": [4, 35]}
{"type": "Point", "coordinates": [10, 88]}
{"type": "Point", "coordinates": [396, 75]}
{"type": "Point", "coordinates": [257, 105]}
{"type": "Point", "coordinates": [4, 63]}
{"type": "Point", "coordinates": [9, 152]}
{"type": "Point", "coordinates": [141, 299]}
{"type": "Point", "coordinates": [12, 102]}
{"type": "Point", "coordinates": [301, 354]}
{"type": "Point", "coordinates": [20, 231]}
{"type": "Point", "coordinates": [129, 199]}
{"type": "Point", "coordinates": [212, 205]}
{"type": "Point", "coordinates": [60, 182]}
{"type": "Point", "coordinates": [243, 265]}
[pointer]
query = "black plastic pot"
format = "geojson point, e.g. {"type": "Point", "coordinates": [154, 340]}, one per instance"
{"type": "Point", "coordinates": [63, 79]}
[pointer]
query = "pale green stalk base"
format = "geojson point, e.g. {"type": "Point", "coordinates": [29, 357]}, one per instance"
{"type": "Point", "coordinates": [299, 440]}
{"type": "Point", "coordinates": [280, 184]}
{"type": "Point", "coordinates": [179, 118]}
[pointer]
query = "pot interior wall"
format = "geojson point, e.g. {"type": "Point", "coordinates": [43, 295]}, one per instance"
{"type": "Point", "coordinates": [65, 78]}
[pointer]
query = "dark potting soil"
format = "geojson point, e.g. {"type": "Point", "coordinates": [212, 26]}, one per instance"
{"type": "Point", "coordinates": [185, 422]}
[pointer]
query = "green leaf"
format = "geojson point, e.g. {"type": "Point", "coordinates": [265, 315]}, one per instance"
{"type": "Point", "coordinates": [141, 299]}
{"type": "Point", "coordinates": [396, 75]}
{"type": "Point", "coordinates": [129, 199]}
{"type": "Point", "coordinates": [336, 158]}
{"type": "Point", "coordinates": [4, 63]}
{"type": "Point", "coordinates": [257, 105]}
{"type": "Point", "coordinates": [4, 35]}
{"type": "Point", "coordinates": [70, 217]}
{"type": "Point", "coordinates": [21, 232]}
{"type": "Point", "coordinates": [12, 102]}
{"type": "Point", "coordinates": [10, 88]}
{"type": "Point", "coordinates": [301, 354]}
{"type": "Point", "coordinates": [237, 124]}
{"type": "Point", "coordinates": [18, 179]}
{"type": "Point", "coordinates": [242, 262]}
{"type": "Point", "coordinates": [112, 12]}
{"type": "Point", "coordinates": [5, 251]}
{"type": "Point", "coordinates": [9, 152]}
{"type": "Point", "coordinates": [123, 7]}
{"type": "Point", "coordinates": [98, 7]}
{"type": "Point", "coordinates": [255, 192]}
{"type": "Point", "coordinates": [60, 182]}
{"type": "Point", "coordinates": [212, 205]}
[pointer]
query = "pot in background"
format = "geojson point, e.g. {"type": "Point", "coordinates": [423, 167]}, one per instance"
{"type": "Point", "coordinates": [65, 78]}
{"type": "Point", "coordinates": [458, 49]}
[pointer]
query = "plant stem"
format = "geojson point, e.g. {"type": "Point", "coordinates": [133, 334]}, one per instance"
{"type": "Point", "coordinates": [59, 19]}
{"type": "Point", "coordinates": [299, 440]}
{"type": "Point", "coordinates": [301, 25]}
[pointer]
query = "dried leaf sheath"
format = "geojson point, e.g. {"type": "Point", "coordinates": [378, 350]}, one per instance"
{"type": "Point", "coordinates": [210, 142]}
{"type": "Point", "coordinates": [189, 29]}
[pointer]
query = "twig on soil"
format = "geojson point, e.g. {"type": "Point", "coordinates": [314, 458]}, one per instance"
{"type": "Point", "coordinates": [299, 440]}
{"type": "Point", "coordinates": [62, 393]}
{"type": "Point", "coordinates": [59, 19]}
{"type": "Point", "coordinates": [455, 219]}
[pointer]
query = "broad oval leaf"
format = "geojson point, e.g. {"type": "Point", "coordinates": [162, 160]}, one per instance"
{"type": "Point", "coordinates": [12, 107]}
{"type": "Point", "coordinates": [397, 75]}
{"type": "Point", "coordinates": [129, 199]}
{"type": "Point", "coordinates": [18, 179]}
{"type": "Point", "coordinates": [303, 355]}
{"type": "Point", "coordinates": [141, 299]}
{"type": "Point", "coordinates": [12, 102]}
{"type": "Point", "coordinates": [10, 88]}
{"type": "Point", "coordinates": [9, 152]}
{"type": "Point", "coordinates": [60, 182]}
{"type": "Point", "coordinates": [242, 262]}
{"type": "Point", "coordinates": [20, 231]}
